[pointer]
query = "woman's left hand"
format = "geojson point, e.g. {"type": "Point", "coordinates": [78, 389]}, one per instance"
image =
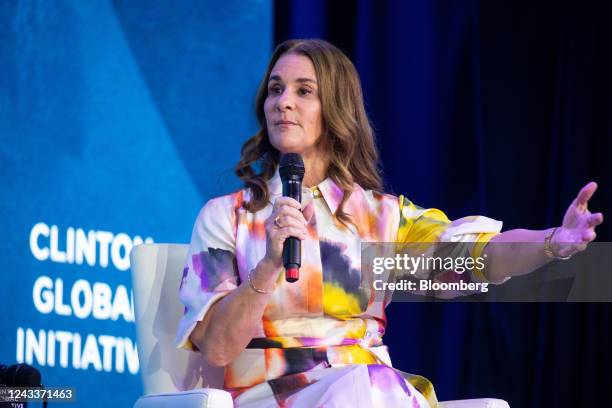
{"type": "Point", "coordinates": [578, 228]}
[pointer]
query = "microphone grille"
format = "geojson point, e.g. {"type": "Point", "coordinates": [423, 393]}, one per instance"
{"type": "Point", "coordinates": [291, 164]}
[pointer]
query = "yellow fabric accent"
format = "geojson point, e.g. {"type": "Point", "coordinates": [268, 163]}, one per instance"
{"type": "Point", "coordinates": [425, 387]}
{"type": "Point", "coordinates": [426, 227]}
{"type": "Point", "coordinates": [338, 303]}
{"type": "Point", "coordinates": [354, 355]}
{"type": "Point", "coordinates": [359, 331]}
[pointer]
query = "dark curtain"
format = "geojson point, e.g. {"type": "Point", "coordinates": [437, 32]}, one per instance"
{"type": "Point", "coordinates": [493, 108]}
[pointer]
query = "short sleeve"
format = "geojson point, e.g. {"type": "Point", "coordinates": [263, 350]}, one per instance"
{"type": "Point", "coordinates": [210, 271]}
{"type": "Point", "coordinates": [432, 225]}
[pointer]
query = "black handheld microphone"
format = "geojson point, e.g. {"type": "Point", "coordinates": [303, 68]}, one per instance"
{"type": "Point", "coordinates": [291, 171]}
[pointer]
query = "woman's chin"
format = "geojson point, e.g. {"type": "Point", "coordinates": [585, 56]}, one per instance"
{"type": "Point", "coordinates": [292, 145]}
{"type": "Point", "coordinates": [289, 148]}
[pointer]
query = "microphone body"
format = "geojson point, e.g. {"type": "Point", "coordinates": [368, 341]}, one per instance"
{"type": "Point", "coordinates": [291, 170]}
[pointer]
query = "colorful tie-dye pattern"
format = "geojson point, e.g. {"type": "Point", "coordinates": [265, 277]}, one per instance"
{"type": "Point", "coordinates": [320, 339]}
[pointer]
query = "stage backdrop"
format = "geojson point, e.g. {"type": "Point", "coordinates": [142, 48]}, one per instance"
{"type": "Point", "coordinates": [116, 120]}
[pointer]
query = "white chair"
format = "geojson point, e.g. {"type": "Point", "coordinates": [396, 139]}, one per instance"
{"type": "Point", "coordinates": [176, 377]}
{"type": "Point", "coordinates": [170, 376]}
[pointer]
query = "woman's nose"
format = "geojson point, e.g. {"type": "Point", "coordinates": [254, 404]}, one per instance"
{"type": "Point", "coordinates": [285, 101]}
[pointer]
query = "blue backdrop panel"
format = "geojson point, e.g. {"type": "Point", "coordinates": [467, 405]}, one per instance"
{"type": "Point", "coordinates": [117, 121]}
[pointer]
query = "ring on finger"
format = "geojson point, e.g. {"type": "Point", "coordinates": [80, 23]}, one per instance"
{"type": "Point", "coordinates": [277, 222]}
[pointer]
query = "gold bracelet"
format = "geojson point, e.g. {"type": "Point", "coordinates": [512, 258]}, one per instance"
{"type": "Point", "coordinates": [263, 292]}
{"type": "Point", "coordinates": [548, 250]}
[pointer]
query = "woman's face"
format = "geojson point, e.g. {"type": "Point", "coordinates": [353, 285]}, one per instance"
{"type": "Point", "coordinates": [293, 107]}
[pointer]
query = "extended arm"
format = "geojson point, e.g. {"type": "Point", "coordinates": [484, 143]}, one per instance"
{"type": "Point", "coordinates": [523, 250]}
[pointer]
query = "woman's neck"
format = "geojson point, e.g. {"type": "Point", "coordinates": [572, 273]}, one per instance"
{"type": "Point", "coordinates": [316, 170]}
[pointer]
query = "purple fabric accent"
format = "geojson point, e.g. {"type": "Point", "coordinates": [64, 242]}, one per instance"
{"type": "Point", "coordinates": [310, 341]}
{"type": "Point", "coordinates": [385, 378]}
{"type": "Point", "coordinates": [214, 266]}
{"type": "Point", "coordinates": [337, 269]}
{"type": "Point", "coordinates": [315, 341]}
{"type": "Point", "coordinates": [185, 272]}
{"type": "Point", "coordinates": [197, 264]}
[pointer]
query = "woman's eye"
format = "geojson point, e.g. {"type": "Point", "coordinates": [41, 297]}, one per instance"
{"type": "Point", "coordinates": [274, 90]}
{"type": "Point", "coordinates": [304, 91]}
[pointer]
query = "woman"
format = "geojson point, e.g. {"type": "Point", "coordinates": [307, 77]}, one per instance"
{"type": "Point", "coordinates": [318, 341]}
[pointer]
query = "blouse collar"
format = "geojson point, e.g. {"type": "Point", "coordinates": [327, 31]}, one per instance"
{"type": "Point", "coordinates": [327, 189]}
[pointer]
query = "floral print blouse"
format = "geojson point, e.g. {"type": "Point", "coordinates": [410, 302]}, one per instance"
{"type": "Point", "coordinates": [326, 319]}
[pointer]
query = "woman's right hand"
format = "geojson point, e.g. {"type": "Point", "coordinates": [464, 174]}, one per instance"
{"type": "Point", "coordinates": [285, 221]}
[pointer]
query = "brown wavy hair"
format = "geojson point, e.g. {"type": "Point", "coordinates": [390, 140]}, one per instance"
{"type": "Point", "coordinates": [347, 133]}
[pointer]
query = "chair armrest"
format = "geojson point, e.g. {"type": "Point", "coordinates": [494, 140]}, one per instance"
{"type": "Point", "coordinates": [475, 403]}
{"type": "Point", "coordinates": [198, 398]}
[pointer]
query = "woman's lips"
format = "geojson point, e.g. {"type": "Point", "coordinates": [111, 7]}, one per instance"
{"type": "Point", "coordinates": [285, 123]}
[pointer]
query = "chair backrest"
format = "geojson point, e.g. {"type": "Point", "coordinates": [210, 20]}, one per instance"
{"type": "Point", "coordinates": [156, 276]}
